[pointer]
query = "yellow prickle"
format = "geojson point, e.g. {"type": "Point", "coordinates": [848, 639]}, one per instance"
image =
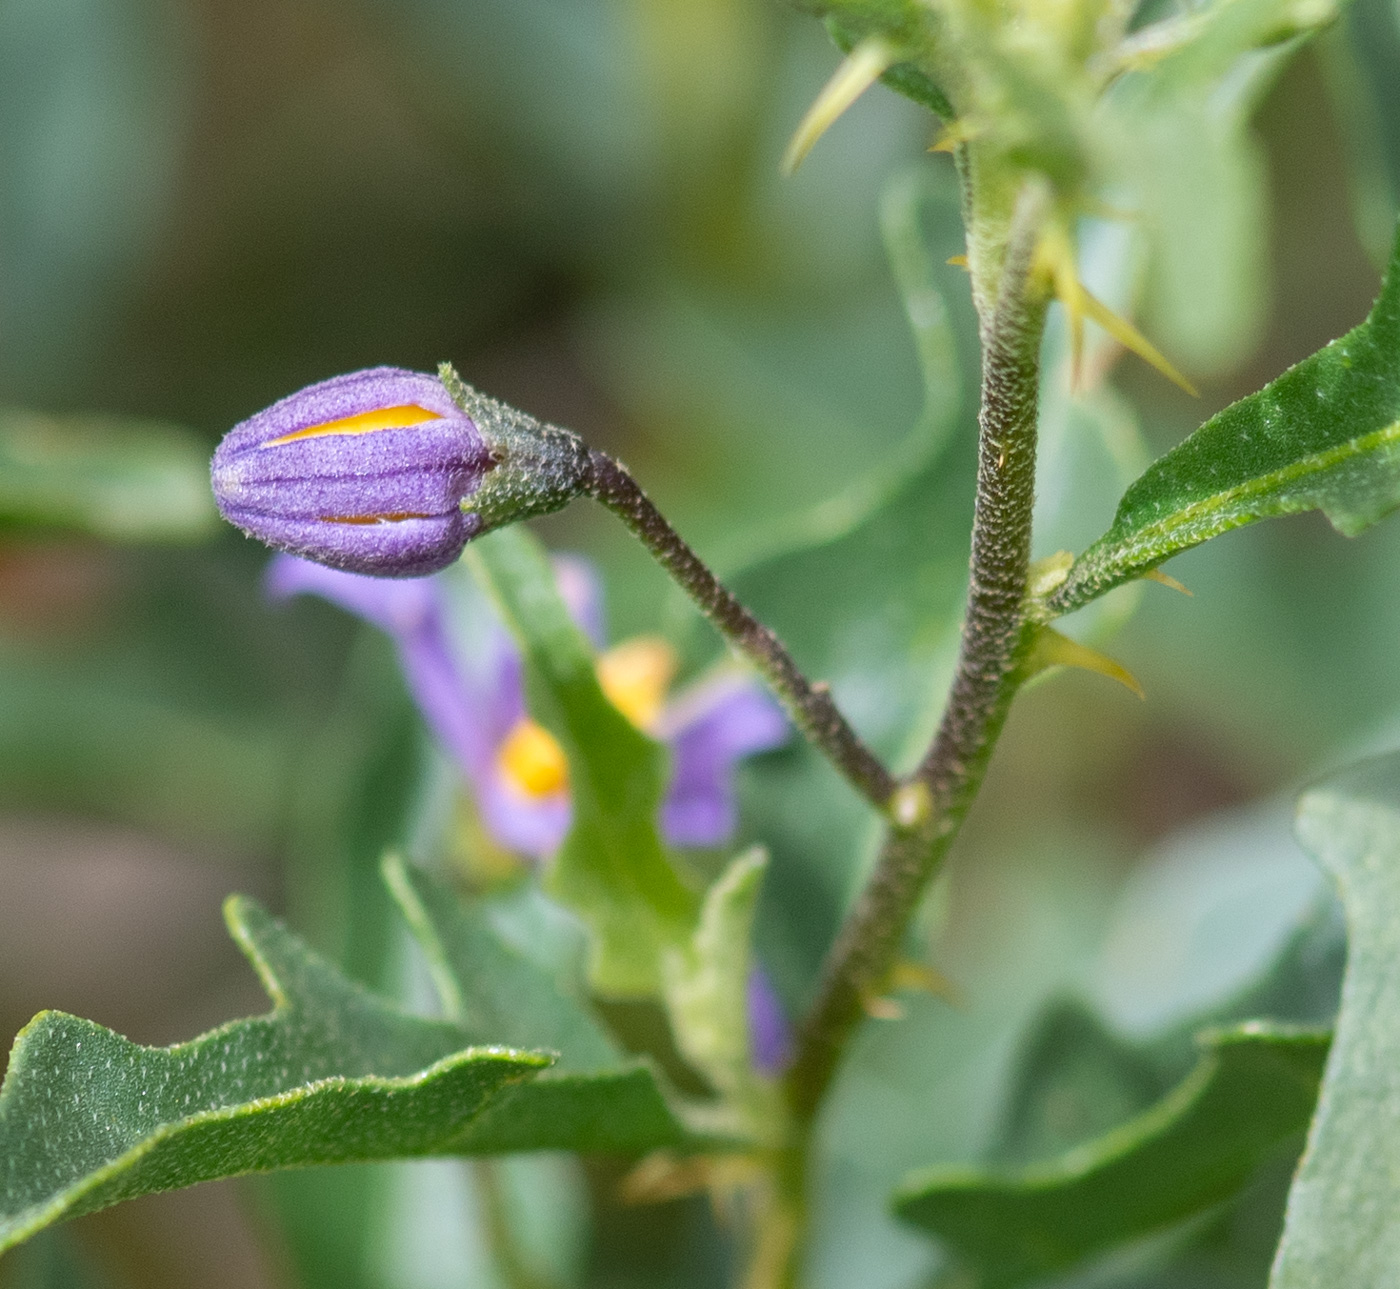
{"type": "Point", "coordinates": [1055, 259]}
{"type": "Point", "coordinates": [1166, 579]}
{"type": "Point", "coordinates": [919, 976]}
{"type": "Point", "coordinates": [954, 133]}
{"type": "Point", "coordinates": [1051, 649]}
{"type": "Point", "coordinates": [1130, 337]}
{"type": "Point", "coordinates": [865, 64]}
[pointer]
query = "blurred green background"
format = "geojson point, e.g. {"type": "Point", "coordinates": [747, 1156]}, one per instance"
{"type": "Point", "coordinates": [206, 204]}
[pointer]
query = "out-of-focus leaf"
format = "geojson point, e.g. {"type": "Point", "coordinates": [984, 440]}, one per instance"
{"type": "Point", "coordinates": [88, 1118]}
{"type": "Point", "coordinates": [1210, 914]}
{"type": "Point", "coordinates": [1076, 1081]}
{"type": "Point", "coordinates": [847, 30]}
{"type": "Point", "coordinates": [707, 991]}
{"type": "Point", "coordinates": [593, 1098]}
{"type": "Point", "coordinates": [75, 736]}
{"type": "Point", "coordinates": [867, 587]}
{"type": "Point", "coordinates": [611, 870]}
{"type": "Point", "coordinates": [1340, 1227]}
{"type": "Point", "coordinates": [93, 107]}
{"type": "Point", "coordinates": [1252, 1091]}
{"type": "Point", "coordinates": [1016, 929]}
{"type": "Point", "coordinates": [119, 479]}
{"type": "Point", "coordinates": [1324, 435]}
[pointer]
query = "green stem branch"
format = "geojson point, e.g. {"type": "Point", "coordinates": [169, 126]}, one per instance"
{"type": "Point", "coordinates": [989, 671]}
{"type": "Point", "coordinates": [810, 705]}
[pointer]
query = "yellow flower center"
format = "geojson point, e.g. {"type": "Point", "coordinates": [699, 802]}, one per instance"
{"type": "Point", "coordinates": [634, 676]}
{"type": "Point", "coordinates": [381, 418]}
{"type": "Point", "coordinates": [532, 760]}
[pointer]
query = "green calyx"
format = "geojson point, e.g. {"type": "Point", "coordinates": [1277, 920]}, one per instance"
{"type": "Point", "coordinates": [538, 468]}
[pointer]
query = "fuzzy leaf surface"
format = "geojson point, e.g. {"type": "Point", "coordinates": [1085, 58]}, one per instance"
{"type": "Point", "coordinates": [332, 1073]}
{"type": "Point", "coordinates": [612, 870]}
{"type": "Point", "coordinates": [1323, 436]}
{"type": "Point", "coordinates": [1340, 1226]}
{"type": "Point", "coordinates": [593, 1098]}
{"type": "Point", "coordinates": [1251, 1092]}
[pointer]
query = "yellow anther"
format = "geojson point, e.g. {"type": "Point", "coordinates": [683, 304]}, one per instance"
{"type": "Point", "coordinates": [635, 676]}
{"type": "Point", "coordinates": [382, 418]}
{"type": "Point", "coordinates": [532, 760]}
{"type": "Point", "coordinates": [866, 63]}
{"type": "Point", "coordinates": [957, 261]}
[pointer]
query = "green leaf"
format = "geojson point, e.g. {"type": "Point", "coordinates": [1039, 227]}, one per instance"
{"type": "Point", "coordinates": [88, 1118]}
{"type": "Point", "coordinates": [1340, 1227]}
{"type": "Point", "coordinates": [594, 1098]}
{"type": "Point", "coordinates": [707, 991]}
{"type": "Point", "coordinates": [1076, 1080]}
{"type": "Point", "coordinates": [119, 479]}
{"type": "Point", "coordinates": [904, 78]}
{"type": "Point", "coordinates": [1252, 1091]}
{"type": "Point", "coordinates": [611, 870]}
{"type": "Point", "coordinates": [1324, 435]}
{"type": "Point", "coordinates": [867, 588]}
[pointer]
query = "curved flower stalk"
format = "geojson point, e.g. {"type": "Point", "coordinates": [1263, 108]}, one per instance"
{"type": "Point", "coordinates": [517, 772]}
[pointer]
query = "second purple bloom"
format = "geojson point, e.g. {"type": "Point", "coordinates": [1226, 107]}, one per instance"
{"type": "Point", "coordinates": [517, 773]}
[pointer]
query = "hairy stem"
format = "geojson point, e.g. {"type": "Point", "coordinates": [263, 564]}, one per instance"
{"type": "Point", "coordinates": [994, 639]}
{"type": "Point", "coordinates": [810, 705]}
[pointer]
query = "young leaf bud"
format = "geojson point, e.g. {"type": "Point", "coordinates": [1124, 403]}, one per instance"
{"type": "Point", "coordinates": [385, 472]}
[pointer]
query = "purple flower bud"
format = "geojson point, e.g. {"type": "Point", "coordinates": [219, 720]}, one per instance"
{"type": "Point", "coordinates": [366, 472]}
{"type": "Point", "coordinates": [391, 472]}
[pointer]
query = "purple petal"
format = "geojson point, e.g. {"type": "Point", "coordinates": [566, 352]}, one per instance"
{"type": "Point", "coordinates": [710, 729]}
{"type": "Point", "coordinates": [535, 826]}
{"type": "Point", "coordinates": [770, 1039]}
{"type": "Point", "coordinates": [582, 593]}
{"type": "Point", "coordinates": [470, 717]}
{"type": "Point", "coordinates": [406, 548]}
{"type": "Point", "coordinates": [395, 605]}
{"type": "Point", "coordinates": [412, 613]}
{"type": "Point", "coordinates": [386, 502]}
{"type": "Point", "coordinates": [337, 398]}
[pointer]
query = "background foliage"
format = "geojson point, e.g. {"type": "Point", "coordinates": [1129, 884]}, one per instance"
{"type": "Point", "coordinates": [204, 205]}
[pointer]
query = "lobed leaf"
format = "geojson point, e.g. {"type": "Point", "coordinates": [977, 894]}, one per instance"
{"type": "Point", "coordinates": [612, 869]}
{"type": "Point", "coordinates": [1252, 1091]}
{"type": "Point", "coordinates": [113, 477]}
{"type": "Point", "coordinates": [593, 1098]}
{"type": "Point", "coordinates": [332, 1073]}
{"type": "Point", "coordinates": [1324, 436]}
{"type": "Point", "coordinates": [1340, 1226]}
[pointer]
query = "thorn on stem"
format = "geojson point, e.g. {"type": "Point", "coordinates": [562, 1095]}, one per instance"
{"type": "Point", "coordinates": [865, 64]}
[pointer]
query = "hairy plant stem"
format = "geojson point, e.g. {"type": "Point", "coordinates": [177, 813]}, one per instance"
{"type": "Point", "coordinates": [810, 705]}
{"type": "Point", "coordinates": [989, 671]}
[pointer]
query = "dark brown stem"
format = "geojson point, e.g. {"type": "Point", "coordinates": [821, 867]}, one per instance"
{"type": "Point", "coordinates": [810, 705]}
{"type": "Point", "coordinates": [994, 638]}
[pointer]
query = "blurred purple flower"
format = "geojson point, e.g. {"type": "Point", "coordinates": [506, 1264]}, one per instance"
{"type": "Point", "coordinates": [366, 472]}
{"type": "Point", "coordinates": [770, 1039]}
{"type": "Point", "coordinates": [516, 770]}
